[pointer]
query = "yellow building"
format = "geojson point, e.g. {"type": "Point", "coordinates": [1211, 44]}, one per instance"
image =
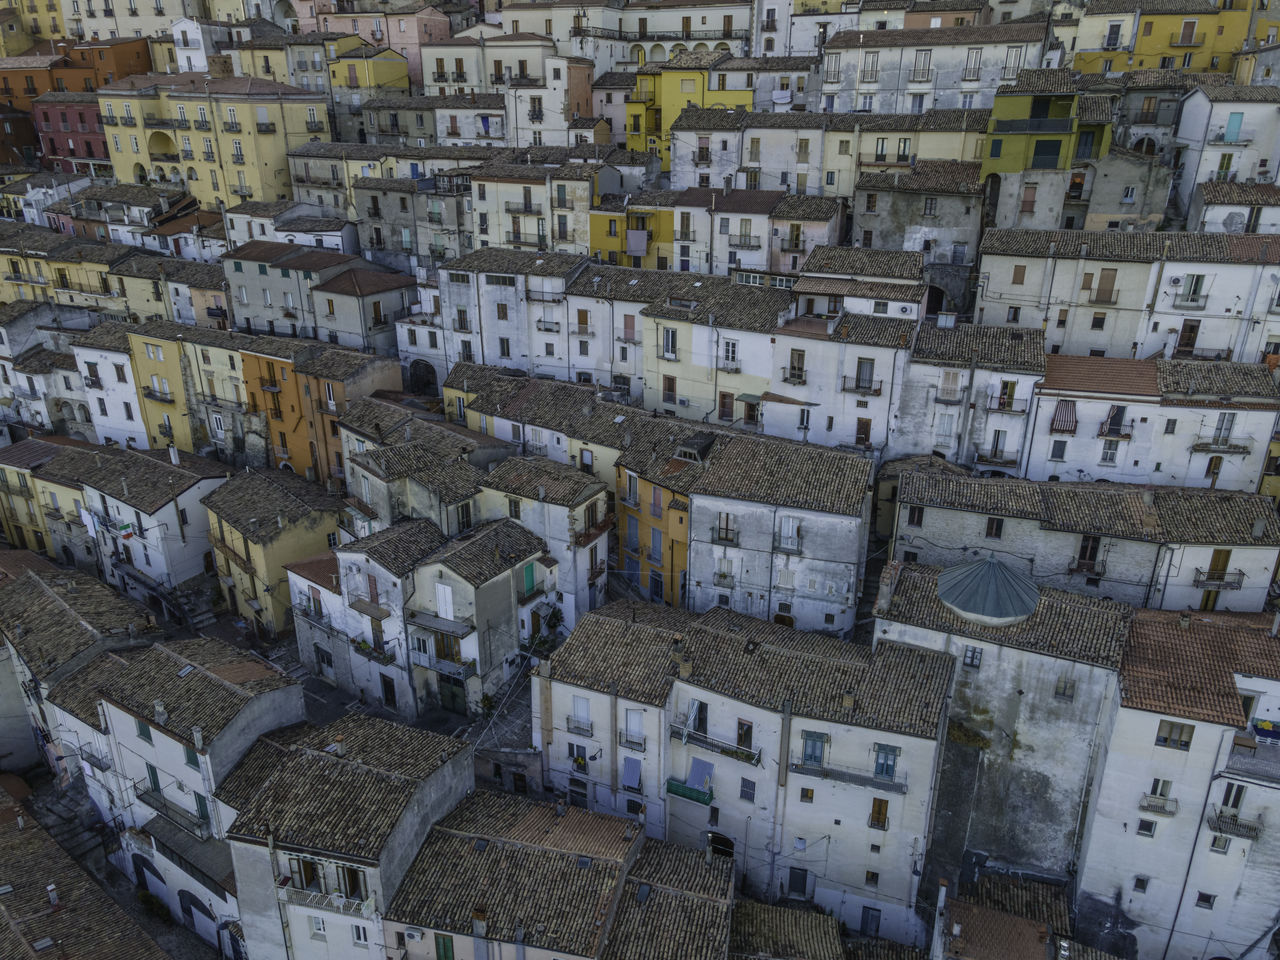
{"type": "Point", "coordinates": [664, 89]}
{"type": "Point", "coordinates": [215, 391]}
{"type": "Point", "coordinates": [652, 212]}
{"type": "Point", "coordinates": [1116, 36]}
{"type": "Point", "coordinates": [162, 396]}
{"type": "Point", "coordinates": [21, 512]}
{"type": "Point", "coordinates": [1270, 483]}
{"type": "Point", "coordinates": [260, 520]}
{"type": "Point", "coordinates": [224, 140]}
{"type": "Point", "coordinates": [653, 518]}
{"type": "Point", "coordinates": [1041, 122]}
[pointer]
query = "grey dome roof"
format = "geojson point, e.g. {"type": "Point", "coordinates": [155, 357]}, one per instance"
{"type": "Point", "coordinates": [988, 592]}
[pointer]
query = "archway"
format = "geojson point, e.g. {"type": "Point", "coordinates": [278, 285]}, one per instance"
{"type": "Point", "coordinates": [1145, 146]}
{"type": "Point", "coordinates": [657, 53]}
{"type": "Point", "coordinates": [147, 876]}
{"type": "Point", "coordinates": [701, 48]}
{"type": "Point", "coordinates": [723, 47]}
{"type": "Point", "coordinates": [678, 48]}
{"type": "Point", "coordinates": [720, 844]}
{"type": "Point", "coordinates": [198, 917]}
{"type": "Point", "coordinates": [139, 173]}
{"type": "Point", "coordinates": [637, 55]}
{"type": "Point", "coordinates": [422, 379]}
{"type": "Point", "coordinates": [191, 173]}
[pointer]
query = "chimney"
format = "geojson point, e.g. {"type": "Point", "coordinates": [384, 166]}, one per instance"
{"type": "Point", "coordinates": [1148, 498]}
{"type": "Point", "coordinates": [706, 851]}
{"type": "Point", "coordinates": [97, 459]}
{"type": "Point", "coordinates": [479, 924]}
{"type": "Point", "coordinates": [340, 746]}
{"type": "Point", "coordinates": [1184, 620]}
{"type": "Point", "coordinates": [542, 492]}
{"type": "Point", "coordinates": [280, 520]}
{"type": "Point", "coordinates": [173, 455]}
{"type": "Point", "coordinates": [161, 715]}
{"type": "Point", "coordinates": [22, 822]}
{"type": "Point", "coordinates": [1259, 528]}
{"type": "Point", "coordinates": [559, 808]}
{"type": "Point", "coordinates": [197, 738]}
{"type": "Point", "coordinates": [124, 488]}
{"type": "Point", "coordinates": [846, 700]}
{"type": "Point", "coordinates": [686, 666]}
{"type": "Point", "coordinates": [52, 890]}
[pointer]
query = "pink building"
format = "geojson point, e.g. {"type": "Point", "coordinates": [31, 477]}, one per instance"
{"type": "Point", "coordinates": [70, 131]}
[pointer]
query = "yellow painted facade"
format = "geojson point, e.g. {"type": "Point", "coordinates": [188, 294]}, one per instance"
{"type": "Point", "coordinates": [660, 94]}
{"type": "Point", "coordinates": [162, 398]}
{"type": "Point", "coordinates": [609, 235]}
{"type": "Point", "coordinates": [24, 520]}
{"type": "Point", "coordinates": [653, 536]}
{"type": "Point", "coordinates": [354, 70]}
{"type": "Point", "coordinates": [225, 140]}
{"type": "Point", "coordinates": [1200, 42]}
{"type": "Point", "coordinates": [276, 400]}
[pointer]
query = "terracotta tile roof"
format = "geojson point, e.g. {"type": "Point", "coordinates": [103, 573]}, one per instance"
{"type": "Point", "coordinates": [321, 570]}
{"type": "Point", "coordinates": [1116, 375]}
{"type": "Point", "coordinates": [764, 931]}
{"type": "Point", "coordinates": [1170, 79]}
{"type": "Point", "coordinates": [87, 924]}
{"type": "Point", "coordinates": [1218, 379]}
{"type": "Point", "coordinates": [1102, 8]}
{"type": "Point", "coordinates": [936, 120]}
{"type": "Point", "coordinates": [112, 335]}
{"type": "Point", "coordinates": [991, 347]}
{"type": "Point", "coordinates": [525, 263]}
{"type": "Point", "coordinates": [929, 176]}
{"type": "Point", "coordinates": [1040, 902]}
{"type": "Point", "coordinates": [487, 551]}
{"type": "Point", "coordinates": [877, 949]}
{"type": "Point", "coordinates": [1062, 80]}
{"type": "Point", "coordinates": [615, 80]}
{"type": "Point", "coordinates": [1065, 625]}
{"type": "Point", "coordinates": [362, 282]}
{"type": "Point", "coordinates": [223, 682]}
{"type": "Point", "coordinates": [400, 547]}
{"type": "Point", "coordinates": [382, 421]}
{"type": "Point", "coordinates": [1134, 247]}
{"type": "Point", "coordinates": [896, 687]}
{"type": "Point", "coordinates": [874, 331]}
{"type": "Point", "coordinates": [801, 476]}
{"type": "Point", "coordinates": [311, 798]}
{"type": "Point", "coordinates": [1096, 108]}
{"type": "Point", "coordinates": [940, 36]}
{"type": "Point", "coordinates": [1188, 670]}
{"type": "Point", "coordinates": [337, 363]}
{"type": "Point", "coordinates": [795, 207]}
{"type": "Point", "coordinates": [538, 478]}
{"type": "Point", "coordinates": [1240, 193]}
{"type": "Point", "coordinates": [768, 64]}
{"type": "Point", "coordinates": [435, 459]}
{"type": "Point", "coordinates": [510, 817]}
{"type": "Point", "coordinates": [28, 453]}
{"type": "Point", "coordinates": [865, 262]}
{"type": "Point", "coordinates": [264, 505]}
{"type": "Point", "coordinates": [988, 934]}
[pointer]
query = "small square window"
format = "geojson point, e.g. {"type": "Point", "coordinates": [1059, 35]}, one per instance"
{"type": "Point", "coordinates": [1205, 900]}
{"type": "Point", "coordinates": [875, 848]}
{"type": "Point", "coordinates": [995, 528]}
{"type": "Point", "coordinates": [915, 516]}
{"type": "Point", "coordinates": [1099, 321]}
{"type": "Point", "coordinates": [747, 790]}
{"type": "Point", "coordinates": [1146, 828]}
{"type": "Point", "coordinates": [1171, 426]}
{"type": "Point", "coordinates": [1140, 884]}
{"type": "Point", "coordinates": [1059, 450]}
{"type": "Point", "coordinates": [144, 730]}
{"type": "Point", "coordinates": [972, 656]}
{"type": "Point", "coordinates": [873, 879]}
{"type": "Point", "coordinates": [1220, 843]}
{"type": "Point", "coordinates": [806, 795]}
{"type": "Point", "coordinates": [1065, 689]}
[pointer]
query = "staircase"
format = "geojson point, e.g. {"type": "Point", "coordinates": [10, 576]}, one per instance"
{"type": "Point", "coordinates": [72, 820]}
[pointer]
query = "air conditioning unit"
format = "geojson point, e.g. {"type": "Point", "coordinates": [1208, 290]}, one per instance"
{"type": "Point", "coordinates": [683, 401]}
{"type": "Point", "coordinates": [413, 934]}
{"type": "Point", "coordinates": [1175, 281]}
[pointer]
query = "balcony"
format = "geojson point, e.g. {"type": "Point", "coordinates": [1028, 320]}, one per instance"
{"type": "Point", "coordinates": [528, 209]}
{"type": "Point", "coordinates": [861, 385]}
{"type": "Point", "coordinates": [723, 747]}
{"type": "Point", "coordinates": [1186, 40]}
{"type": "Point", "coordinates": [1161, 806]}
{"type": "Point", "coordinates": [922, 75]}
{"type": "Point", "coordinates": [769, 26]}
{"type": "Point", "coordinates": [1090, 568]}
{"type": "Point", "coordinates": [591, 533]}
{"type": "Point", "coordinates": [996, 456]}
{"type": "Point", "coordinates": [971, 73]}
{"type": "Point", "coordinates": [869, 76]}
{"type": "Point", "coordinates": [459, 76]}
{"type": "Point", "coordinates": [742, 241]}
{"type": "Point", "coordinates": [794, 375]}
{"type": "Point", "coordinates": [1002, 404]}
{"type": "Point", "coordinates": [729, 366]}
{"type": "Point", "coordinates": [787, 544]}
{"type": "Point", "coordinates": [724, 536]}
{"type": "Point", "coordinates": [631, 742]}
{"type": "Point", "coordinates": [1229, 822]}
{"type": "Point", "coordinates": [109, 119]}
{"type": "Point", "coordinates": [678, 788]}
{"type": "Point", "coordinates": [527, 240]}
{"type": "Point", "coordinates": [315, 900]}
{"type": "Point", "coordinates": [1238, 137]}
{"type": "Point", "coordinates": [160, 396]}
{"type": "Point", "coordinates": [157, 123]}
{"type": "Point", "coordinates": [202, 124]}
{"type": "Point", "coordinates": [1190, 301]}
{"type": "Point", "coordinates": [723, 580]}
{"type": "Point", "coordinates": [165, 157]}
{"type": "Point", "coordinates": [702, 158]}
{"type": "Point", "coordinates": [238, 159]}
{"type": "Point", "coordinates": [269, 384]}
{"type": "Point", "coordinates": [208, 156]}
{"type": "Point", "coordinates": [439, 77]}
{"type": "Point", "coordinates": [535, 116]}
{"type": "Point", "coordinates": [266, 128]}
{"type": "Point", "coordinates": [1218, 579]}
{"type": "Point", "coordinates": [579, 727]}
{"type": "Point", "coordinates": [93, 383]}
{"type": "Point", "coordinates": [459, 670]}
{"type": "Point", "coordinates": [528, 594]}
{"type": "Point", "coordinates": [231, 126]}
{"type": "Point", "coordinates": [232, 555]}
{"type": "Point", "coordinates": [563, 236]}
{"type": "Point", "coordinates": [188, 154]}
{"type": "Point", "coordinates": [175, 814]}
{"type": "Point", "coordinates": [100, 763]}
{"type": "Point", "coordinates": [794, 244]}
{"type": "Point", "coordinates": [315, 126]}
{"type": "Point", "coordinates": [128, 121]}
{"type": "Point", "coordinates": [895, 782]}
{"type": "Point", "coordinates": [1250, 758]}
{"type": "Point", "coordinates": [1217, 443]}
{"type": "Point", "coordinates": [1110, 430]}
{"type": "Point", "coordinates": [1104, 298]}
{"type": "Point", "coordinates": [1035, 125]}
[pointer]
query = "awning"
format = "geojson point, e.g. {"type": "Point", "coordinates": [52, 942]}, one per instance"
{"type": "Point", "coordinates": [748, 398]}
{"type": "Point", "coordinates": [700, 774]}
{"type": "Point", "coordinates": [631, 772]}
{"type": "Point", "coordinates": [1064, 417]}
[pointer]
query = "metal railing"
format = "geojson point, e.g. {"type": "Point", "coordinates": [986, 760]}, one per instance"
{"type": "Point", "coordinates": [725, 536]}
{"type": "Point", "coordinates": [576, 725]}
{"type": "Point", "coordinates": [1230, 823]}
{"type": "Point", "coordinates": [175, 814]}
{"type": "Point", "coordinates": [532, 209]}
{"type": "Point", "coordinates": [1218, 579]}
{"type": "Point", "coordinates": [315, 900]}
{"type": "Point", "coordinates": [794, 375]}
{"type": "Point", "coordinates": [1190, 301]}
{"type": "Point", "coordinates": [861, 385]}
{"type": "Point", "coordinates": [1186, 39]}
{"type": "Point", "coordinates": [742, 241]}
{"type": "Point", "coordinates": [1217, 443]}
{"type": "Point", "coordinates": [785, 544]}
{"type": "Point", "coordinates": [1092, 568]}
{"type": "Point", "coordinates": [895, 781]}
{"type": "Point", "coordinates": [630, 742]}
{"type": "Point", "coordinates": [997, 456]}
{"type": "Point", "coordinates": [1002, 404]}
{"type": "Point", "coordinates": [1153, 803]}
{"type": "Point", "coordinates": [723, 747]}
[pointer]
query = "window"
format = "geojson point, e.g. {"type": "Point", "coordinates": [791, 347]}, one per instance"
{"type": "Point", "coordinates": [444, 947]}
{"type": "Point", "coordinates": [193, 760]}
{"type": "Point", "coordinates": [972, 656]}
{"type": "Point", "coordinates": [1146, 828]}
{"type": "Point", "coordinates": [995, 528]}
{"type": "Point", "coordinates": [744, 734]}
{"type": "Point", "coordinates": [747, 790]}
{"type": "Point", "coordinates": [873, 879]}
{"type": "Point", "coordinates": [879, 819]}
{"type": "Point", "coordinates": [317, 927]}
{"type": "Point", "coordinates": [1205, 900]}
{"type": "Point", "coordinates": [359, 935]}
{"type": "Point", "coordinates": [1220, 843]}
{"type": "Point", "coordinates": [144, 730]}
{"type": "Point", "coordinates": [886, 760]}
{"type": "Point", "coordinates": [814, 748]}
{"type": "Point", "coordinates": [1059, 450]}
{"type": "Point", "coordinates": [1014, 315]}
{"type": "Point", "coordinates": [1176, 736]}
{"type": "Point", "coordinates": [915, 516]}
{"type": "Point", "coordinates": [1140, 884]}
{"type": "Point", "coordinates": [930, 206]}
{"type": "Point", "coordinates": [1019, 274]}
{"type": "Point", "coordinates": [1065, 689]}
{"type": "Point", "coordinates": [806, 795]}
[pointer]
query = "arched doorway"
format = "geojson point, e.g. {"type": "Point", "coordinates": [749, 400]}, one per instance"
{"type": "Point", "coordinates": [637, 55]}
{"type": "Point", "coordinates": [720, 844]}
{"type": "Point", "coordinates": [139, 173]}
{"type": "Point", "coordinates": [1145, 146]}
{"type": "Point", "coordinates": [657, 53]}
{"type": "Point", "coordinates": [198, 917]}
{"type": "Point", "coordinates": [422, 379]}
{"type": "Point", "coordinates": [147, 876]}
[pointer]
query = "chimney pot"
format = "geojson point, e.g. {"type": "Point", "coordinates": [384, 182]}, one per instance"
{"type": "Point", "coordinates": [340, 746]}
{"type": "Point", "coordinates": [161, 715]}
{"type": "Point", "coordinates": [173, 455]}
{"type": "Point", "coordinates": [197, 738]}
{"type": "Point", "coordinates": [52, 890]}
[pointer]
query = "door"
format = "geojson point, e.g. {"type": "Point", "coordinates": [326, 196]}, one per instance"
{"type": "Point", "coordinates": [1188, 33]}
{"type": "Point", "coordinates": [728, 27]}
{"type": "Point", "coordinates": [353, 80]}
{"type": "Point", "coordinates": [528, 579]}
{"type": "Point", "coordinates": [153, 778]}
{"type": "Point", "coordinates": [1106, 286]}
{"type": "Point", "coordinates": [726, 405]}
{"type": "Point", "coordinates": [1218, 563]}
{"type": "Point", "coordinates": [798, 882]}
{"type": "Point", "coordinates": [863, 436]}
{"type": "Point", "coordinates": [444, 601]}
{"type": "Point", "coordinates": [1190, 333]}
{"type": "Point", "coordinates": [997, 444]}
{"type": "Point", "coordinates": [870, 922]}
{"type": "Point", "coordinates": [388, 692]}
{"type": "Point", "coordinates": [587, 461]}
{"type": "Point", "coordinates": [453, 694]}
{"type": "Point", "coordinates": [686, 27]}
{"type": "Point", "coordinates": [324, 660]}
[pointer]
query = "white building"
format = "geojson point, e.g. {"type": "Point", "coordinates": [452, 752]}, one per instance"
{"type": "Point", "coordinates": [152, 532]}
{"type": "Point", "coordinates": [155, 732]}
{"type": "Point", "coordinates": [1179, 853]}
{"type": "Point", "coordinates": [1179, 422]}
{"type": "Point", "coordinates": [1172, 548]}
{"type": "Point", "coordinates": [1224, 206]}
{"type": "Point", "coordinates": [821, 788]}
{"type": "Point", "coordinates": [328, 821]}
{"type": "Point", "coordinates": [1225, 132]}
{"type": "Point", "coordinates": [102, 357]}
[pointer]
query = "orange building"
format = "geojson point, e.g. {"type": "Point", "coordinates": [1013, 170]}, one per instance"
{"type": "Point", "coordinates": [277, 417]}
{"type": "Point", "coordinates": [83, 67]}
